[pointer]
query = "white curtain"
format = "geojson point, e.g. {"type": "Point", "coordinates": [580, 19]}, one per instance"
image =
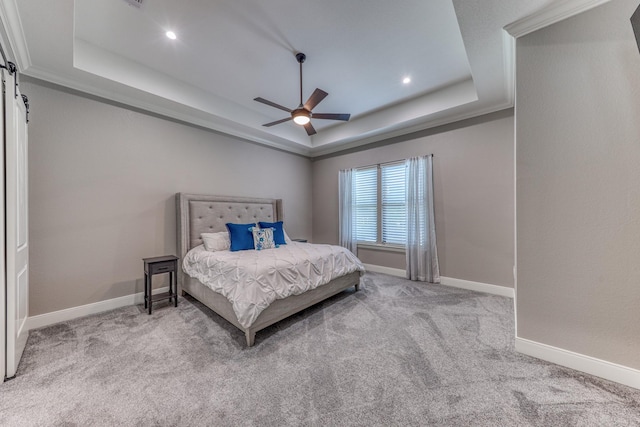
{"type": "Point", "coordinates": [422, 254]}
{"type": "Point", "coordinates": [346, 210]}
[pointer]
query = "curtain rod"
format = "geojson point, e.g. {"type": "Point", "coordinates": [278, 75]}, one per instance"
{"type": "Point", "coordinates": [387, 163]}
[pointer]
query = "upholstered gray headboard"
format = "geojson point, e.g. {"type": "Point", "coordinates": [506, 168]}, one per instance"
{"type": "Point", "coordinates": [198, 213]}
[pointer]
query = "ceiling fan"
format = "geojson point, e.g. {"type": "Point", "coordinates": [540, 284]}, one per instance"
{"type": "Point", "coordinates": [302, 115]}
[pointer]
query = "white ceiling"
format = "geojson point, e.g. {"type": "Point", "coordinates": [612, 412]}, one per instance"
{"type": "Point", "coordinates": [229, 52]}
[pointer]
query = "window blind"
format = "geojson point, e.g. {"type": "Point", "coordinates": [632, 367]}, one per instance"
{"type": "Point", "coordinates": [394, 200]}
{"type": "Point", "coordinates": [366, 204]}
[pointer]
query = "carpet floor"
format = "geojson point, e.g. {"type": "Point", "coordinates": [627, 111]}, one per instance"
{"type": "Point", "coordinates": [394, 353]}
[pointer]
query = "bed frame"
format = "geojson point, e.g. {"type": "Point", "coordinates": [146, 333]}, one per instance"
{"type": "Point", "coordinates": [208, 214]}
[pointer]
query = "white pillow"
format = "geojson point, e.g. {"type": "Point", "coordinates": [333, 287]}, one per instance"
{"type": "Point", "coordinates": [216, 241]}
{"type": "Point", "coordinates": [286, 237]}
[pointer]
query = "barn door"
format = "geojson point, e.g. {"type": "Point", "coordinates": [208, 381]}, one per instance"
{"type": "Point", "coordinates": [17, 215]}
{"type": "Point", "coordinates": [3, 319]}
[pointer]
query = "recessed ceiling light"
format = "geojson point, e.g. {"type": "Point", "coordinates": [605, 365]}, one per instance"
{"type": "Point", "coordinates": [171, 35]}
{"type": "Point", "coordinates": [406, 80]}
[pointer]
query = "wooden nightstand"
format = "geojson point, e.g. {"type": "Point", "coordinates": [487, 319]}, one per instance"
{"type": "Point", "coordinates": [159, 265]}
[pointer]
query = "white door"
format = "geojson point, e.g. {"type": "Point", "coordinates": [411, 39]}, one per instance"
{"type": "Point", "coordinates": [3, 329]}
{"type": "Point", "coordinates": [16, 233]}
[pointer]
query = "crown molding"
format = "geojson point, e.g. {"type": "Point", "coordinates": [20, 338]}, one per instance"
{"type": "Point", "coordinates": [13, 34]}
{"type": "Point", "coordinates": [410, 132]}
{"type": "Point", "coordinates": [556, 12]}
{"type": "Point", "coordinates": [166, 112]}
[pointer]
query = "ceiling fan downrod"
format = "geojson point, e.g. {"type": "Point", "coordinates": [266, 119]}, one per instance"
{"type": "Point", "coordinates": [301, 57]}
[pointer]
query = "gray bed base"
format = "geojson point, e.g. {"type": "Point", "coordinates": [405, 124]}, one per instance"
{"type": "Point", "coordinates": [208, 214]}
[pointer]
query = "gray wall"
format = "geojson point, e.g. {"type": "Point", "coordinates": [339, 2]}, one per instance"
{"type": "Point", "coordinates": [578, 185]}
{"type": "Point", "coordinates": [474, 196]}
{"type": "Point", "coordinates": [102, 181]}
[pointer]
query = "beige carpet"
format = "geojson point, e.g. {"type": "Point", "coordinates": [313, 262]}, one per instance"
{"type": "Point", "coordinates": [394, 353]}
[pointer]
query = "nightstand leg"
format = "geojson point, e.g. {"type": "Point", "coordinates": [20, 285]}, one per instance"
{"type": "Point", "coordinates": [145, 291]}
{"type": "Point", "coordinates": [173, 288]}
{"type": "Point", "coordinates": [149, 298]}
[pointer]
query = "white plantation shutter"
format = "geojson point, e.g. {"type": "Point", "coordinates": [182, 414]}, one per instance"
{"type": "Point", "coordinates": [394, 201]}
{"type": "Point", "coordinates": [380, 204]}
{"type": "Point", "coordinates": [366, 204]}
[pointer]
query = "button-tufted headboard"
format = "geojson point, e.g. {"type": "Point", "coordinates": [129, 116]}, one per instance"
{"type": "Point", "coordinates": [210, 217]}
{"type": "Point", "coordinates": [208, 214]}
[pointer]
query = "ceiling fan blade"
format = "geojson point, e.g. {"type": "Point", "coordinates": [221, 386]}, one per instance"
{"type": "Point", "coordinates": [309, 128]}
{"type": "Point", "coordinates": [315, 98]}
{"type": "Point", "coordinates": [343, 117]}
{"type": "Point", "coordinates": [277, 122]}
{"type": "Point", "coordinates": [273, 104]}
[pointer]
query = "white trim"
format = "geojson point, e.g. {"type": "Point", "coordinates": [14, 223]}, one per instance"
{"type": "Point", "coordinates": [509, 65]}
{"type": "Point", "coordinates": [600, 368]}
{"type": "Point", "coordinates": [448, 281]}
{"type": "Point", "coordinates": [3, 266]}
{"type": "Point", "coordinates": [47, 319]}
{"type": "Point", "coordinates": [324, 150]}
{"type": "Point", "coordinates": [477, 286]}
{"type": "Point", "coordinates": [381, 247]}
{"type": "Point", "coordinates": [610, 371]}
{"type": "Point", "coordinates": [14, 34]}
{"type": "Point", "coordinates": [386, 270]}
{"type": "Point", "coordinates": [555, 12]}
{"type": "Point", "coordinates": [515, 190]}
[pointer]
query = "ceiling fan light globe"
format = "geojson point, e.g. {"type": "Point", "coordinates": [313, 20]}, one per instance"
{"type": "Point", "coordinates": [301, 117]}
{"type": "Point", "coordinates": [301, 120]}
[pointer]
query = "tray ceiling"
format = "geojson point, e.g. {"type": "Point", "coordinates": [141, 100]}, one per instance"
{"type": "Point", "coordinates": [227, 53]}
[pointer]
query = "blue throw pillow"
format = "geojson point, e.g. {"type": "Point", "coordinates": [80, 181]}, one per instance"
{"type": "Point", "coordinates": [241, 236]}
{"type": "Point", "coordinates": [278, 232]}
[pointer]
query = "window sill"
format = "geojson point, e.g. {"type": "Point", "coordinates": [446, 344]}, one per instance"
{"type": "Point", "coordinates": [381, 247]}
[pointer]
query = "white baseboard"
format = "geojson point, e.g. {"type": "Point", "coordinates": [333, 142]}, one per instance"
{"type": "Point", "coordinates": [42, 320]}
{"type": "Point", "coordinates": [448, 281]}
{"type": "Point", "coordinates": [600, 368]}
{"type": "Point", "coordinates": [478, 286]}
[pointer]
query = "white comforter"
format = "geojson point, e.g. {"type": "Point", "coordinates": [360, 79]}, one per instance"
{"type": "Point", "coordinates": [251, 280]}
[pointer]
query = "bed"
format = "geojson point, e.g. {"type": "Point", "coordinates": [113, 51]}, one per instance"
{"type": "Point", "coordinates": [198, 214]}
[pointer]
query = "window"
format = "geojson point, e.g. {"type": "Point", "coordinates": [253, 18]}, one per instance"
{"type": "Point", "coordinates": [366, 204]}
{"type": "Point", "coordinates": [380, 204]}
{"type": "Point", "coordinates": [394, 204]}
